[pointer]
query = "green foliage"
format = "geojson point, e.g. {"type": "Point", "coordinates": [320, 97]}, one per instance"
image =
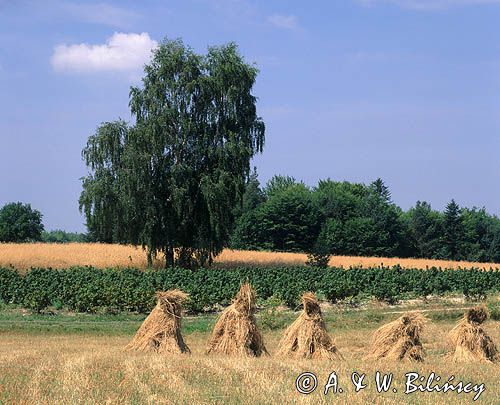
{"type": "Point", "coordinates": [100, 199]}
{"type": "Point", "coordinates": [248, 233]}
{"type": "Point", "coordinates": [454, 232]}
{"type": "Point", "coordinates": [355, 236]}
{"type": "Point", "coordinates": [379, 188]}
{"type": "Point", "coordinates": [494, 308]}
{"type": "Point", "coordinates": [87, 289]}
{"type": "Point", "coordinates": [320, 254]}
{"type": "Point", "coordinates": [252, 197]}
{"type": "Point", "coordinates": [10, 285]}
{"type": "Point", "coordinates": [278, 184]}
{"type": "Point", "coordinates": [40, 288]}
{"type": "Point", "coordinates": [289, 219]}
{"type": "Point", "coordinates": [270, 315]}
{"type": "Point", "coordinates": [60, 236]}
{"type": "Point", "coordinates": [20, 223]}
{"type": "Point", "coordinates": [342, 218]}
{"type": "Point", "coordinates": [480, 234]}
{"type": "Point", "coordinates": [286, 221]}
{"type": "Point", "coordinates": [171, 181]}
{"type": "Point", "coordinates": [318, 259]}
{"type": "Point", "coordinates": [339, 200]}
{"type": "Point", "coordinates": [361, 220]}
{"type": "Point", "coordinates": [425, 229]}
{"type": "Point", "coordinates": [385, 286]}
{"type": "Point", "coordinates": [337, 284]}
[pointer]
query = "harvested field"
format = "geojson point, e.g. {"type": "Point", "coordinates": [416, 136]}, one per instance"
{"type": "Point", "coordinates": [58, 256]}
{"type": "Point", "coordinates": [58, 364]}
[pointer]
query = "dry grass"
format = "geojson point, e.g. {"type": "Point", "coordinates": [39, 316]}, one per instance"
{"type": "Point", "coordinates": [24, 256]}
{"type": "Point", "coordinates": [48, 369]}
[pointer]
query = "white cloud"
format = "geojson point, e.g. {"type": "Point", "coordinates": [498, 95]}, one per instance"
{"type": "Point", "coordinates": [101, 13]}
{"type": "Point", "coordinates": [121, 52]}
{"type": "Point", "coordinates": [429, 5]}
{"type": "Point", "coordinates": [284, 21]}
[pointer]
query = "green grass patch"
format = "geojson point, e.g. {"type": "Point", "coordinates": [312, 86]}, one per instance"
{"type": "Point", "coordinates": [15, 319]}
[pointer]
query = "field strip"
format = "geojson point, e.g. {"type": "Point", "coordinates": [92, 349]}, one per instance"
{"type": "Point", "coordinates": [428, 310]}
{"type": "Point", "coordinates": [55, 322]}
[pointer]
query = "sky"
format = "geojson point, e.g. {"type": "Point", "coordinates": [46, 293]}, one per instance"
{"type": "Point", "coordinates": [405, 90]}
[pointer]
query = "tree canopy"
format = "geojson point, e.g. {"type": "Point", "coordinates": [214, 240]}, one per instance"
{"type": "Point", "coordinates": [171, 181]}
{"type": "Point", "coordinates": [345, 218]}
{"type": "Point", "coordinates": [20, 223]}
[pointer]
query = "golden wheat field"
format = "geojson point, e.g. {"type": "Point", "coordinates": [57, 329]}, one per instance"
{"type": "Point", "coordinates": [25, 256]}
{"type": "Point", "coordinates": [48, 368]}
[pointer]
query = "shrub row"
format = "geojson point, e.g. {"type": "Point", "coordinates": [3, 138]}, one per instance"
{"type": "Point", "coordinates": [88, 289]}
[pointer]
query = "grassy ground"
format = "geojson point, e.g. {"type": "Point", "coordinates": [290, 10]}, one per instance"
{"type": "Point", "coordinates": [70, 358]}
{"type": "Point", "coordinates": [24, 256]}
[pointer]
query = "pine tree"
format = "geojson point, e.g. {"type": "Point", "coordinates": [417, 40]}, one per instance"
{"type": "Point", "coordinates": [379, 187]}
{"type": "Point", "coordinates": [454, 232]}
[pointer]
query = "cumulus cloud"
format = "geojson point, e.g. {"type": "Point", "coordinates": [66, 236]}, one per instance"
{"type": "Point", "coordinates": [121, 52]}
{"type": "Point", "coordinates": [284, 21]}
{"type": "Point", "coordinates": [429, 4]}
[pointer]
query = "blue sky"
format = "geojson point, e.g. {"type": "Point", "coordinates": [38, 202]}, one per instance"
{"type": "Point", "coordinates": [405, 90]}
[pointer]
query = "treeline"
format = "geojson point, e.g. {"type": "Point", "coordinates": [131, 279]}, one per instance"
{"type": "Point", "coordinates": [343, 218]}
{"type": "Point", "coordinates": [20, 223]}
{"type": "Point", "coordinates": [60, 236]}
{"type": "Point", "coordinates": [332, 218]}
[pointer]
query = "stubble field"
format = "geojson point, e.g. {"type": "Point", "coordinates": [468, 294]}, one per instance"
{"type": "Point", "coordinates": [70, 358]}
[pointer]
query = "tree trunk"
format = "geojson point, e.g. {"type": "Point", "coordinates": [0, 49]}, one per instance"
{"type": "Point", "coordinates": [150, 258]}
{"type": "Point", "coordinates": [169, 257]}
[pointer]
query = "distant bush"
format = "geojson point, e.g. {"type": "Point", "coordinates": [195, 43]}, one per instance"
{"type": "Point", "coordinates": [88, 289]}
{"type": "Point", "coordinates": [59, 236]}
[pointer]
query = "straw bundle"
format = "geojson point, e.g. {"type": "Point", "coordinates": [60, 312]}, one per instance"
{"type": "Point", "coordinates": [161, 330]}
{"type": "Point", "coordinates": [399, 340]}
{"type": "Point", "coordinates": [235, 332]}
{"type": "Point", "coordinates": [471, 342]}
{"type": "Point", "coordinates": [307, 336]}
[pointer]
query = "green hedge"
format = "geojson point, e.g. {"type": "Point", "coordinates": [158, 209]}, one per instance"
{"type": "Point", "coordinates": [87, 289]}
